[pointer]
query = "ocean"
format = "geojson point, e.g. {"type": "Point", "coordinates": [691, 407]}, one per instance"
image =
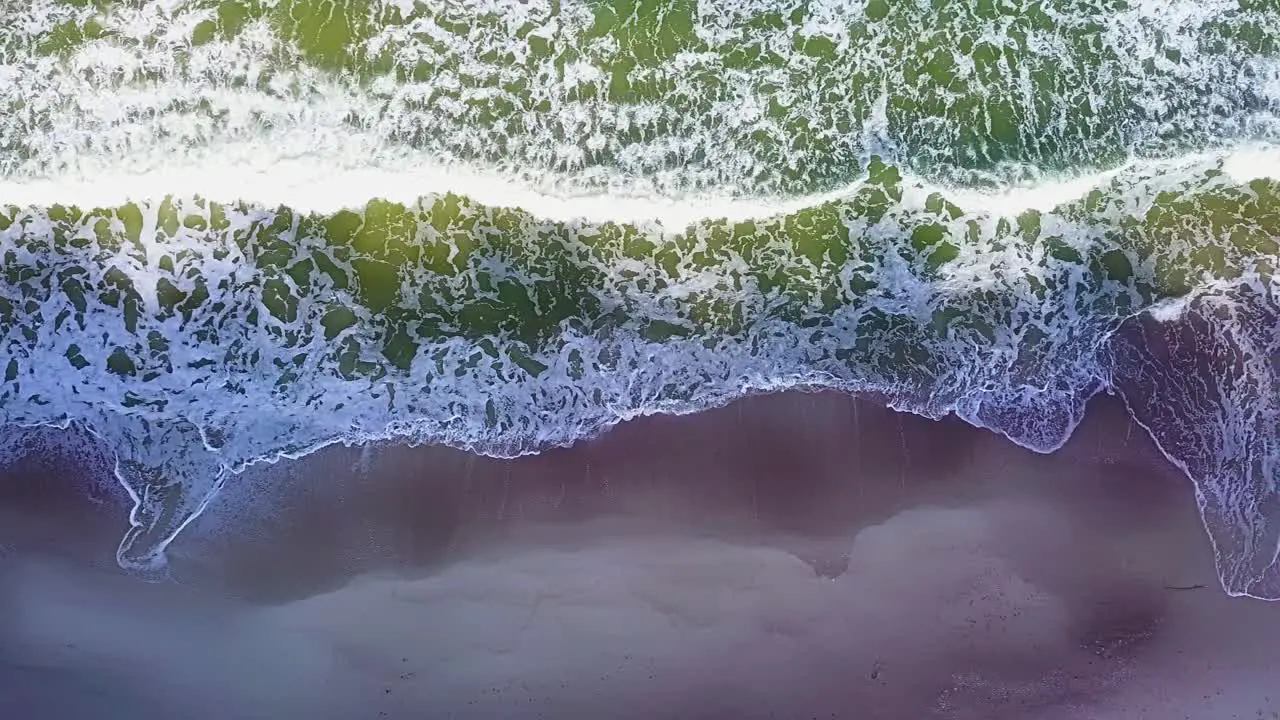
{"type": "Point", "coordinates": [239, 231]}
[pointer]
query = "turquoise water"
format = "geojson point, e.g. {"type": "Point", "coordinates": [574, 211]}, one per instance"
{"type": "Point", "coordinates": [238, 231]}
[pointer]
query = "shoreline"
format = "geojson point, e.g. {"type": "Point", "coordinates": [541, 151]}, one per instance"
{"type": "Point", "coordinates": [265, 491]}
{"type": "Point", "coordinates": [849, 558]}
{"type": "Point", "coordinates": [810, 464]}
{"type": "Point", "coordinates": [269, 487]}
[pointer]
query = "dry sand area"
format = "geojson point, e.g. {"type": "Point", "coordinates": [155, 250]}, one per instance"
{"type": "Point", "coordinates": [788, 556]}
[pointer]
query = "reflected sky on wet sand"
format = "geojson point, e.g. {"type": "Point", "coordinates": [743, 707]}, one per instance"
{"type": "Point", "coordinates": [786, 556]}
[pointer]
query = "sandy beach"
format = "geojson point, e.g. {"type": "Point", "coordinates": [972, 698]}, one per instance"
{"type": "Point", "coordinates": [787, 556]}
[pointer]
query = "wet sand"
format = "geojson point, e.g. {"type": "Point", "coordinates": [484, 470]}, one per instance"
{"type": "Point", "coordinates": [787, 556]}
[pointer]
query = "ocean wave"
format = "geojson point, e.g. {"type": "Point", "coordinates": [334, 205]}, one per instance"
{"type": "Point", "coordinates": [728, 97]}
{"type": "Point", "coordinates": [197, 337]}
{"type": "Point", "coordinates": [232, 233]}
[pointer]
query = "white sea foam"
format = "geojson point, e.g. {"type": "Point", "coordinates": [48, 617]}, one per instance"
{"type": "Point", "coordinates": [1253, 161]}
{"type": "Point", "coordinates": [321, 185]}
{"type": "Point", "coordinates": [1171, 309]}
{"type": "Point", "coordinates": [314, 185]}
